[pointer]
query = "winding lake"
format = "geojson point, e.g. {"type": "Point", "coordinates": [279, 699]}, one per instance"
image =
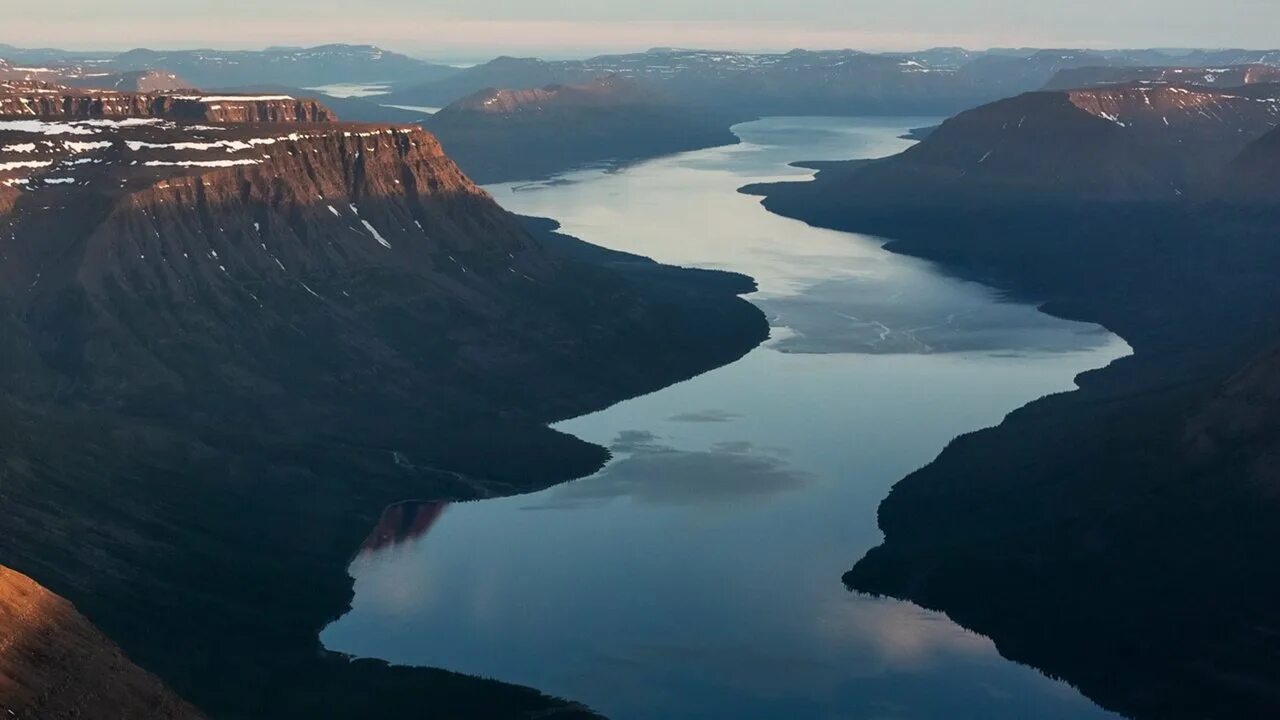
{"type": "Point", "coordinates": [698, 574]}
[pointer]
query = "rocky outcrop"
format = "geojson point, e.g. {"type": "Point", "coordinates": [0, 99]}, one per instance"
{"type": "Point", "coordinates": [54, 665]}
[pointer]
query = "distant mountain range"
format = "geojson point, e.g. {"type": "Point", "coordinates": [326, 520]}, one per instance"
{"type": "Point", "coordinates": [941, 81]}
{"type": "Point", "coordinates": [224, 68]}
{"type": "Point", "coordinates": [938, 81]}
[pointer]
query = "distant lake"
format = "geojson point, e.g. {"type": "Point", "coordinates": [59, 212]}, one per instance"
{"type": "Point", "coordinates": [698, 574]}
{"type": "Point", "coordinates": [352, 90]}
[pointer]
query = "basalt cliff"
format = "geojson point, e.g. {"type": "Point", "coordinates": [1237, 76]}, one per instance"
{"type": "Point", "coordinates": [222, 340]}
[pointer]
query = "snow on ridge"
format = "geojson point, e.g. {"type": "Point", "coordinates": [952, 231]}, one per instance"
{"type": "Point", "coordinates": [203, 163]}
{"type": "Point", "coordinates": [19, 164]}
{"type": "Point", "coordinates": [232, 98]}
{"type": "Point", "coordinates": [376, 235]}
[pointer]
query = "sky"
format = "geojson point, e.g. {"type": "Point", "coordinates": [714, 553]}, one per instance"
{"type": "Point", "coordinates": [482, 28]}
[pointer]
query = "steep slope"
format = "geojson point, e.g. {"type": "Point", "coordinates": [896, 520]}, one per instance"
{"type": "Point", "coordinates": [55, 665]}
{"type": "Point", "coordinates": [1253, 178]}
{"type": "Point", "coordinates": [217, 365]}
{"type": "Point", "coordinates": [502, 135]}
{"type": "Point", "coordinates": [1116, 536]}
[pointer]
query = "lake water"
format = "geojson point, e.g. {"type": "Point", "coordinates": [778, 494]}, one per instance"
{"type": "Point", "coordinates": [698, 574]}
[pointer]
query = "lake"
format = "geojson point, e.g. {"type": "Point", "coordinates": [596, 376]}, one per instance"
{"type": "Point", "coordinates": [698, 574]}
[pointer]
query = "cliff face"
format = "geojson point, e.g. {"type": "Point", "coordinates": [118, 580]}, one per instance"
{"type": "Point", "coordinates": [23, 99]}
{"type": "Point", "coordinates": [222, 341]}
{"type": "Point", "coordinates": [55, 665]}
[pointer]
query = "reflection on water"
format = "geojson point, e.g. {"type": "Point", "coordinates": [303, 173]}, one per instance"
{"type": "Point", "coordinates": [698, 574]}
{"type": "Point", "coordinates": [648, 471]}
{"type": "Point", "coordinates": [401, 523]}
{"type": "Point", "coordinates": [876, 314]}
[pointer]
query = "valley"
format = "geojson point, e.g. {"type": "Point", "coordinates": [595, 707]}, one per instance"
{"type": "Point", "coordinates": [319, 401]}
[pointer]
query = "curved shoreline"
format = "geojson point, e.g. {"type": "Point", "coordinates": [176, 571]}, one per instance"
{"type": "Point", "coordinates": [365, 636]}
{"type": "Point", "coordinates": [1011, 529]}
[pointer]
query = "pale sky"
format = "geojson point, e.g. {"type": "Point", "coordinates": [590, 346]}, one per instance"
{"type": "Point", "coordinates": [452, 28]}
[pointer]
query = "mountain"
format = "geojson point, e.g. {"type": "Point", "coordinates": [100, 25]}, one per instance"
{"type": "Point", "coordinates": [501, 72]}
{"type": "Point", "coordinates": [298, 67]}
{"type": "Point", "coordinates": [1226, 77]}
{"type": "Point", "coordinates": [1111, 144]}
{"type": "Point", "coordinates": [229, 346]}
{"type": "Point", "coordinates": [503, 135]}
{"type": "Point", "coordinates": [47, 648]}
{"type": "Point", "coordinates": [1117, 536]}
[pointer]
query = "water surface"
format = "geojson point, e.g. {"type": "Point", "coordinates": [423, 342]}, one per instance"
{"type": "Point", "coordinates": [698, 574]}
